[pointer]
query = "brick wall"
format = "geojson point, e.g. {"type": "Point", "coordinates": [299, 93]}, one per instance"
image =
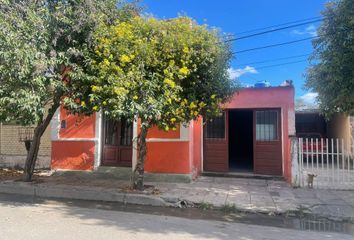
{"type": "Point", "coordinates": [13, 153]}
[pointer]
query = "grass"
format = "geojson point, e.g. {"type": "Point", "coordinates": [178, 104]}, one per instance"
{"type": "Point", "coordinates": [205, 206]}
{"type": "Point", "coordinates": [228, 207]}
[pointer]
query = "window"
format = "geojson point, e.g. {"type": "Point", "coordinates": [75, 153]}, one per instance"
{"type": "Point", "coordinates": [215, 128]}
{"type": "Point", "coordinates": [126, 133]}
{"type": "Point", "coordinates": [266, 125]}
{"type": "Point", "coordinates": [111, 131]}
{"type": "Point", "coordinates": [123, 128]}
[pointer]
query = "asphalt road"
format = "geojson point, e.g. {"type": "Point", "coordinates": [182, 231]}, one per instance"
{"type": "Point", "coordinates": [56, 221]}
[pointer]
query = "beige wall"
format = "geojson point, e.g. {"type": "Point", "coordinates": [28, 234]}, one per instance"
{"type": "Point", "coordinates": [13, 153]}
{"type": "Point", "coordinates": [341, 126]}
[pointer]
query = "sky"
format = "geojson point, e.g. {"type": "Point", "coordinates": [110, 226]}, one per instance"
{"type": "Point", "coordinates": [237, 16]}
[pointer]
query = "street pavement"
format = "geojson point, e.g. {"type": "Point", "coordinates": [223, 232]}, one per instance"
{"type": "Point", "coordinates": [250, 195]}
{"type": "Point", "coordinates": [42, 221]}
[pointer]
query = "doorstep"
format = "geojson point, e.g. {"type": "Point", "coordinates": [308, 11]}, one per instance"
{"type": "Point", "coordinates": [242, 175]}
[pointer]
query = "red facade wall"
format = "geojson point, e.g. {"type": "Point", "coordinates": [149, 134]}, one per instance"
{"type": "Point", "coordinates": [77, 127]}
{"type": "Point", "coordinates": [273, 97]}
{"type": "Point", "coordinates": [197, 147]}
{"type": "Point", "coordinates": [73, 155]}
{"type": "Point", "coordinates": [75, 148]}
{"type": "Point", "coordinates": [168, 157]}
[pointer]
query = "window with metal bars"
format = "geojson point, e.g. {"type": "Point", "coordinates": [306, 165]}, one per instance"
{"type": "Point", "coordinates": [215, 127]}
{"type": "Point", "coordinates": [123, 128]}
{"type": "Point", "coordinates": [267, 125]}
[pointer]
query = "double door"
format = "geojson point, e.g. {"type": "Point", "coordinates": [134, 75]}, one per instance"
{"type": "Point", "coordinates": [117, 143]}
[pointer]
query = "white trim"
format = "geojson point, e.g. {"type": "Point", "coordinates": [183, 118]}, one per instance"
{"type": "Point", "coordinates": [166, 140]}
{"type": "Point", "coordinates": [135, 145]}
{"type": "Point", "coordinates": [55, 126]}
{"type": "Point", "coordinates": [184, 133]}
{"type": "Point", "coordinates": [98, 135]}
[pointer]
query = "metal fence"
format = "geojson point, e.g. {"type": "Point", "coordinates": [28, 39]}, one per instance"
{"type": "Point", "coordinates": [326, 163]}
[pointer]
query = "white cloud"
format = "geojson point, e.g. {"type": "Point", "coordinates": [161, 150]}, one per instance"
{"type": "Point", "coordinates": [309, 98]}
{"type": "Point", "coordinates": [235, 73]}
{"type": "Point", "coordinates": [310, 30]}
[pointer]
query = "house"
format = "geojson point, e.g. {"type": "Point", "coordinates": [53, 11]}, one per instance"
{"type": "Point", "coordinates": [310, 123]}
{"type": "Point", "coordinates": [252, 136]}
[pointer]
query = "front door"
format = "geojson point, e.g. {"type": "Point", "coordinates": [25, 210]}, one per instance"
{"type": "Point", "coordinates": [117, 143]}
{"type": "Point", "coordinates": [216, 145]}
{"type": "Point", "coordinates": [267, 142]}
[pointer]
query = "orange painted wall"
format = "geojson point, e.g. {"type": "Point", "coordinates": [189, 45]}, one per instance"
{"type": "Point", "coordinates": [273, 97]}
{"type": "Point", "coordinates": [73, 155]}
{"type": "Point", "coordinates": [197, 147]}
{"type": "Point", "coordinates": [168, 157]}
{"type": "Point", "coordinates": [77, 127]}
{"type": "Point", "coordinates": [154, 132]}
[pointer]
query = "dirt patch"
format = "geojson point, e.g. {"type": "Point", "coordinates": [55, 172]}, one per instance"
{"type": "Point", "coordinates": [10, 174]}
{"type": "Point", "coordinates": [16, 174]}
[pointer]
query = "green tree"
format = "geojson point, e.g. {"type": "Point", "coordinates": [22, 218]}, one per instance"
{"type": "Point", "coordinates": [332, 74]}
{"type": "Point", "coordinates": [163, 73]}
{"type": "Point", "coordinates": [42, 43]}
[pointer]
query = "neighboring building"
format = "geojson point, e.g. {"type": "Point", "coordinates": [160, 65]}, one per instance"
{"type": "Point", "coordinates": [311, 123]}
{"type": "Point", "coordinates": [13, 152]}
{"type": "Point", "coordinates": [252, 135]}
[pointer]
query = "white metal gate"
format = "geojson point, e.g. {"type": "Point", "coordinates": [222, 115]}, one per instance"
{"type": "Point", "coordinates": [329, 162]}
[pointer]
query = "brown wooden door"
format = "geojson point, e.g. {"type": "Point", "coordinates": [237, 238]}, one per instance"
{"type": "Point", "coordinates": [267, 142]}
{"type": "Point", "coordinates": [216, 144]}
{"type": "Point", "coordinates": [117, 143]}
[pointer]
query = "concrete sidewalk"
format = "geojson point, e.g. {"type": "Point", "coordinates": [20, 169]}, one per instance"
{"type": "Point", "coordinates": [251, 195]}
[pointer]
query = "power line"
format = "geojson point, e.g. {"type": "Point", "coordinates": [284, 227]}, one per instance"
{"type": "Point", "coordinates": [273, 30]}
{"type": "Point", "coordinates": [281, 64]}
{"type": "Point", "coordinates": [273, 60]}
{"type": "Point", "coordinates": [279, 25]}
{"type": "Point", "coordinates": [275, 45]}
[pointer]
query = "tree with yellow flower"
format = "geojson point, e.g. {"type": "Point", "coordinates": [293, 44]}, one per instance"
{"type": "Point", "coordinates": [164, 73]}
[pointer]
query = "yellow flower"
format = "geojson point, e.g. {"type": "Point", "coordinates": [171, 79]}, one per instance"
{"type": "Point", "coordinates": [167, 128]}
{"type": "Point", "coordinates": [192, 105]}
{"type": "Point", "coordinates": [202, 104]}
{"type": "Point", "coordinates": [91, 99]}
{"type": "Point", "coordinates": [83, 103]}
{"type": "Point", "coordinates": [135, 97]}
{"type": "Point", "coordinates": [94, 108]}
{"type": "Point", "coordinates": [119, 90]}
{"type": "Point", "coordinates": [94, 88]}
{"type": "Point", "coordinates": [196, 113]}
{"type": "Point", "coordinates": [172, 62]}
{"type": "Point", "coordinates": [184, 71]}
{"type": "Point", "coordinates": [169, 82]}
{"type": "Point", "coordinates": [125, 58]}
{"type": "Point", "coordinates": [173, 120]}
{"type": "Point", "coordinates": [174, 129]}
{"type": "Point", "coordinates": [213, 96]}
{"type": "Point", "coordinates": [106, 62]}
{"type": "Point", "coordinates": [104, 103]}
{"type": "Point", "coordinates": [186, 50]}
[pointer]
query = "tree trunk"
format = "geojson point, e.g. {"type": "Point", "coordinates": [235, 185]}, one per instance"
{"type": "Point", "coordinates": [138, 174]}
{"type": "Point", "coordinates": [34, 147]}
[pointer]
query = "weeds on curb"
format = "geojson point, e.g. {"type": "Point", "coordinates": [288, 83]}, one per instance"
{"type": "Point", "coordinates": [228, 207]}
{"type": "Point", "coordinates": [205, 206]}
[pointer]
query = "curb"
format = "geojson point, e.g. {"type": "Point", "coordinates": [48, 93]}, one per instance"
{"type": "Point", "coordinates": [82, 193]}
